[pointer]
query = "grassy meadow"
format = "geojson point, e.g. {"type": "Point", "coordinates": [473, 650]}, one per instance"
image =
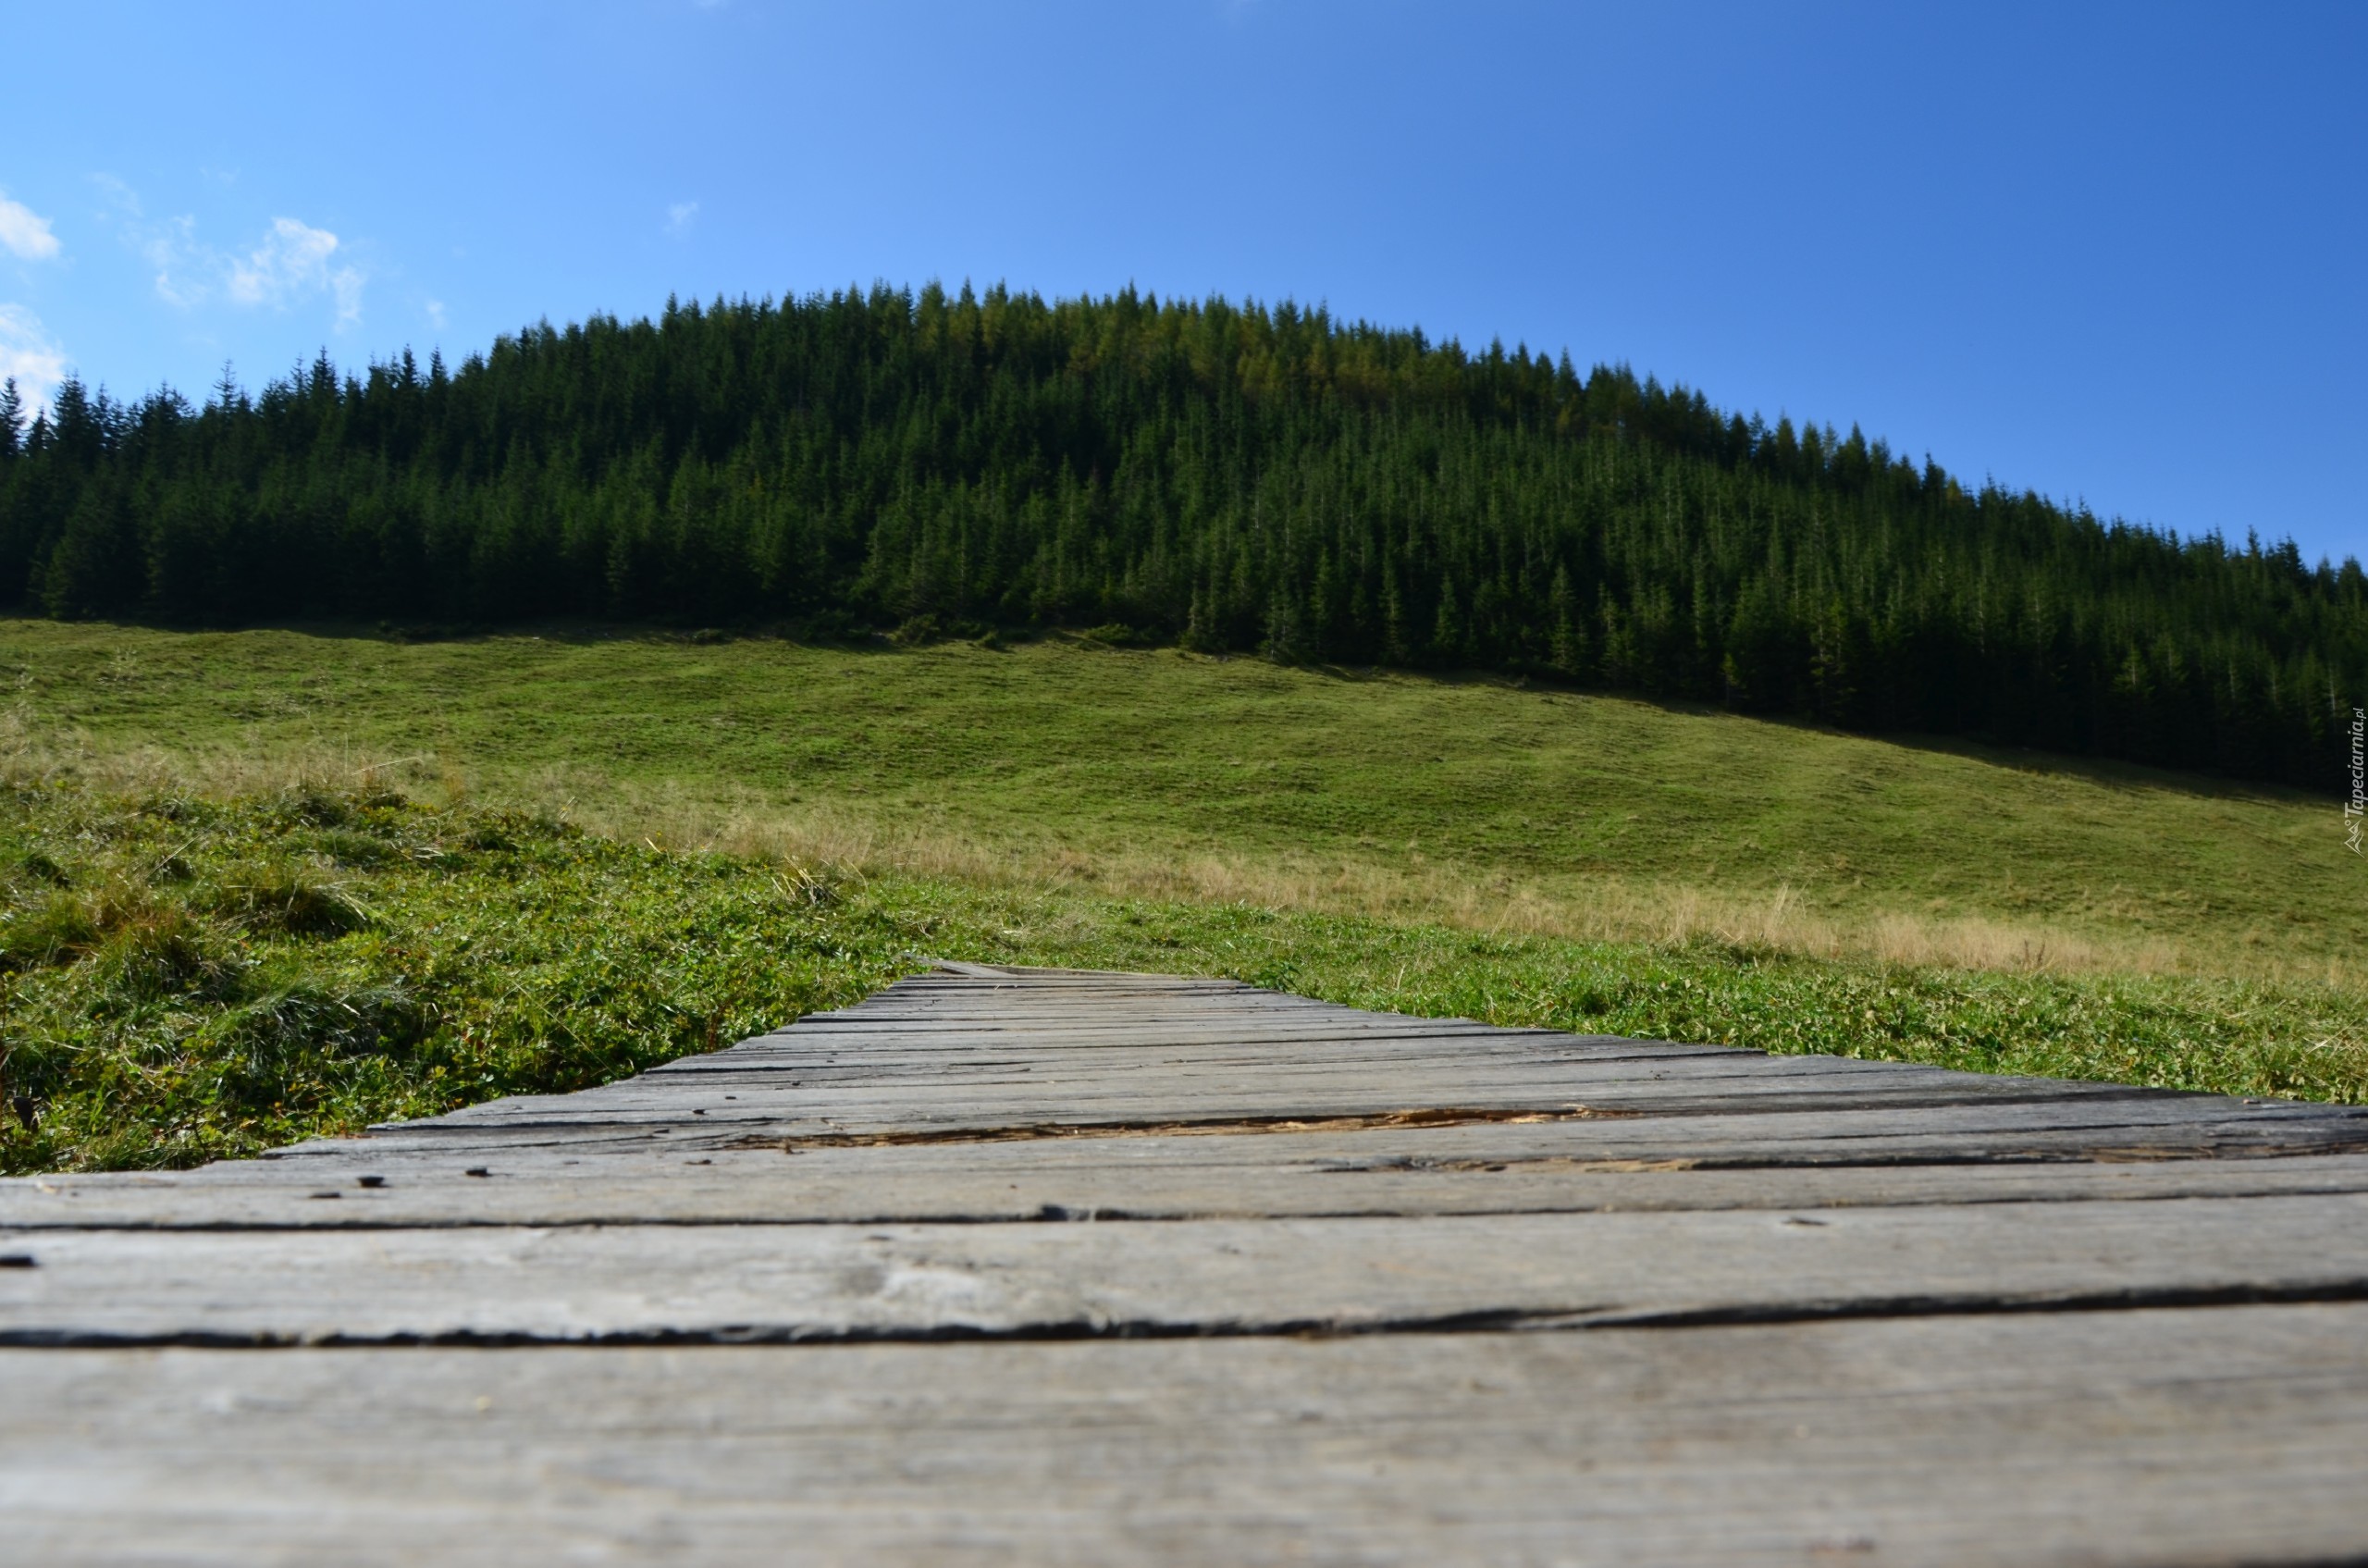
{"type": "Point", "coordinates": [261, 884]}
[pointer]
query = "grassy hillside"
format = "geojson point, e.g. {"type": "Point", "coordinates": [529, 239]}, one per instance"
{"type": "Point", "coordinates": [1166, 773]}
{"type": "Point", "coordinates": [268, 884]}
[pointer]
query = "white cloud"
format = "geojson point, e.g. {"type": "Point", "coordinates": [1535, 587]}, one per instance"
{"type": "Point", "coordinates": [347, 281]}
{"type": "Point", "coordinates": [28, 354]}
{"type": "Point", "coordinates": [181, 264]}
{"type": "Point", "coordinates": [435, 315]}
{"type": "Point", "coordinates": [25, 233]}
{"type": "Point", "coordinates": [679, 217]}
{"type": "Point", "coordinates": [292, 264]}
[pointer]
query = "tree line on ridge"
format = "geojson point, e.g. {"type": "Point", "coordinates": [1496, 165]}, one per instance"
{"type": "Point", "coordinates": [1230, 477]}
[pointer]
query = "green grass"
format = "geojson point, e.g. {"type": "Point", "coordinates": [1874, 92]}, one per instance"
{"type": "Point", "coordinates": [190, 978]}
{"type": "Point", "coordinates": [219, 932]}
{"type": "Point", "coordinates": [1158, 771]}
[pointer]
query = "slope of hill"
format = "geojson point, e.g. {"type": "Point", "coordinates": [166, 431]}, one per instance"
{"type": "Point", "coordinates": [260, 885]}
{"type": "Point", "coordinates": [1479, 801]}
{"type": "Point", "coordinates": [1224, 478]}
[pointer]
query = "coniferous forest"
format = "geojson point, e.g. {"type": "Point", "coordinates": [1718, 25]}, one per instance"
{"type": "Point", "coordinates": [1263, 480]}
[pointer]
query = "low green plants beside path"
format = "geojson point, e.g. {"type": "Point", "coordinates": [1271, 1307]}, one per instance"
{"type": "Point", "coordinates": [191, 978]}
{"type": "Point", "coordinates": [186, 976]}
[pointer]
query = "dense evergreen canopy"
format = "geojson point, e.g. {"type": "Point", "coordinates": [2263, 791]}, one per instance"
{"type": "Point", "coordinates": [1235, 477]}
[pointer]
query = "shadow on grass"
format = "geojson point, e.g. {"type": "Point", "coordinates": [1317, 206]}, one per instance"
{"type": "Point", "coordinates": [840, 634]}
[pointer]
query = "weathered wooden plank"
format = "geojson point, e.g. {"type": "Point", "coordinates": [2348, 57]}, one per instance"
{"type": "Point", "coordinates": [815, 1110]}
{"type": "Point", "coordinates": [942, 1055]}
{"type": "Point", "coordinates": [900, 1054]}
{"type": "Point", "coordinates": [1301, 1175]}
{"type": "Point", "coordinates": [1269, 1275]}
{"type": "Point", "coordinates": [893, 1082]}
{"type": "Point", "coordinates": [1150, 1081]}
{"type": "Point", "coordinates": [2046, 1420]}
{"type": "Point", "coordinates": [2233, 1436]}
{"type": "Point", "coordinates": [1956, 1136]}
{"type": "Point", "coordinates": [1677, 1126]}
{"type": "Point", "coordinates": [898, 1049]}
{"type": "Point", "coordinates": [1279, 1083]}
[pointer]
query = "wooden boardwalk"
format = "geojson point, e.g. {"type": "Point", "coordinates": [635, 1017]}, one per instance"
{"type": "Point", "coordinates": [1030, 1266]}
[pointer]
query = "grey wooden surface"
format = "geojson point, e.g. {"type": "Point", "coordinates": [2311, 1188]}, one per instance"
{"type": "Point", "coordinates": [1036, 1266]}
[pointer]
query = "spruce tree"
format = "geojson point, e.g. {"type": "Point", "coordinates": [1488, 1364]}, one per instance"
{"type": "Point", "coordinates": [1226, 475]}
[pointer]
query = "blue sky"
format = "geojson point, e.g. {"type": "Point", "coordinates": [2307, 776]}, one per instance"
{"type": "Point", "coordinates": [2111, 253]}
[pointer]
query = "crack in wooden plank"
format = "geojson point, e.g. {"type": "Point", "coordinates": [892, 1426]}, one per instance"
{"type": "Point", "coordinates": [1569, 1319]}
{"type": "Point", "coordinates": [1207, 1127]}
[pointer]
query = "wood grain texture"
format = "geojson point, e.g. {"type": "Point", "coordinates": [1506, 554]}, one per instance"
{"type": "Point", "coordinates": [1475, 1170]}
{"type": "Point", "coordinates": [765, 1282]}
{"type": "Point", "coordinates": [1348, 1288]}
{"type": "Point", "coordinates": [2234, 1436]}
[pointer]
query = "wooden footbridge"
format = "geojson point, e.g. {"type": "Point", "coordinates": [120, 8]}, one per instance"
{"type": "Point", "coordinates": [1032, 1266]}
